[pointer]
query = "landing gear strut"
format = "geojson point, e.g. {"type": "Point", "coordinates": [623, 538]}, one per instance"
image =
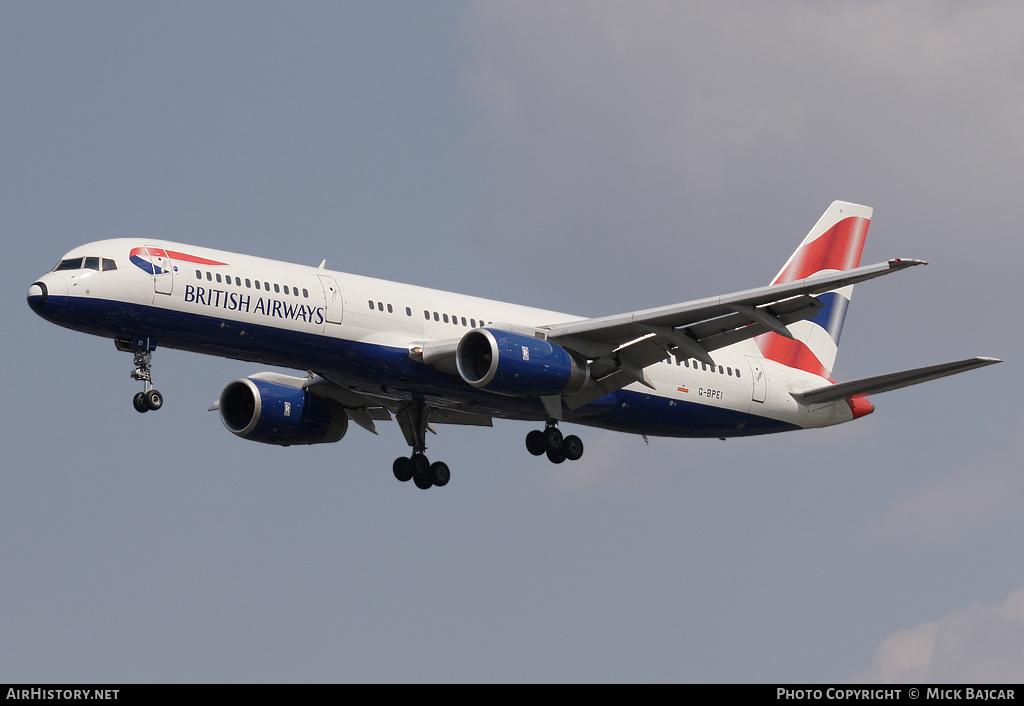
{"type": "Point", "coordinates": [550, 441]}
{"type": "Point", "coordinates": [413, 419]}
{"type": "Point", "coordinates": [148, 399]}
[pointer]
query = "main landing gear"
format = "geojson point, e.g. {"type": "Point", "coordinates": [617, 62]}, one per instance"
{"type": "Point", "coordinates": [421, 471]}
{"type": "Point", "coordinates": [551, 442]}
{"type": "Point", "coordinates": [413, 419]}
{"type": "Point", "coordinates": [148, 399]}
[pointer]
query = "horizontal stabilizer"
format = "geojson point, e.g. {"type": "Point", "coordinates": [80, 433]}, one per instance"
{"type": "Point", "coordinates": [892, 381]}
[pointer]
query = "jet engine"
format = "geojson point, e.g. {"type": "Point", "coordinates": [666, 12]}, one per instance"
{"type": "Point", "coordinates": [518, 365]}
{"type": "Point", "coordinates": [272, 413]}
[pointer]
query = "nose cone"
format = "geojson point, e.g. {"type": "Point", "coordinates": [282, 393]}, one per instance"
{"type": "Point", "coordinates": [46, 293]}
{"type": "Point", "coordinates": [37, 296]}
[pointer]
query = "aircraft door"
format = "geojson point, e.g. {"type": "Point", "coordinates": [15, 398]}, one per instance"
{"type": "Point", "coordinates": [760, 383]}
{"type": "Point", "coordinates": [163, 269]}
{"type": "Point", "coordinates": [332, 299]}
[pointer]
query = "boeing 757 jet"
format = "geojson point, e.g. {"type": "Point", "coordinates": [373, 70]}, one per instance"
{"type": "Point", "coordinates": [752, 362]}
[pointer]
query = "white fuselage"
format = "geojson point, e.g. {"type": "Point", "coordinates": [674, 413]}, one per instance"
{"type": "Point", "coordinates": [362, 329]}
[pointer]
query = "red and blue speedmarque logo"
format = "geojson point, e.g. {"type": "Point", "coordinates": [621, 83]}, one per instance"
{"type": "Point", "coordinates": [157, 261]}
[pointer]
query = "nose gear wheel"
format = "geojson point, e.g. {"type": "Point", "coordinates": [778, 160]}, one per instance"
{"type": "Point", "coordinates": [149, 399]}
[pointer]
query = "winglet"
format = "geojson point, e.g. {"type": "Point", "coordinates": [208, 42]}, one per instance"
{"type": "Point", "coordinates": [900, 263]}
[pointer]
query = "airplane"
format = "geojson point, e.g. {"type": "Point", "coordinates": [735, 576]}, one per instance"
{"type": "Point", "coordinates": [752, 362]}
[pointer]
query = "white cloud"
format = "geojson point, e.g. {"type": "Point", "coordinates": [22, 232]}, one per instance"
{"type": "Point", "coordinates": [617, 127]}
{"type": "Point", "coordinates": [664, 78]}
{"type": "Point", "coordinates": [984, 488]}
{"type": "Point", "coordinates": [983, 644]}
{"type": "Point", "coordinates": [945, 508]}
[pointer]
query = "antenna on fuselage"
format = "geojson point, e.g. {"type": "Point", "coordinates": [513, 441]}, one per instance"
{"type": "Point", "coordinates": [322, 263]}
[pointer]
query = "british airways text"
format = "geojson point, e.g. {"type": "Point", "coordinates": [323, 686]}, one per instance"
{"type": "Point", "coordinates": [236, 301]}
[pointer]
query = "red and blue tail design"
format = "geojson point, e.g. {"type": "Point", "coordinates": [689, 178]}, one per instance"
{"type": "Point", "coordinates": [834, 244]}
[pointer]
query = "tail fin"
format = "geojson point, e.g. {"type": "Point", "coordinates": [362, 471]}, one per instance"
{"type": "Point", "coordinates": [834, 244]}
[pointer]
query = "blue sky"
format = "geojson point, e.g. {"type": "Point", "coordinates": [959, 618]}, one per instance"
{"type": "Point", "coordinates": [588, 157]}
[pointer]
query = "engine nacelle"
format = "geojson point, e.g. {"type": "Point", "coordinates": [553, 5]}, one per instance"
{"type": "Point", "coordinates": [516, 365]}
{"type": "Point", "coordinates": [272, 413]}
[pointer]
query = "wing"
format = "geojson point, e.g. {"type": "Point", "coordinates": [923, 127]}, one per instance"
{"type": "Point", "coordinates": [364, 409]}
{"type": "Point", "coordinates": [620, 347]}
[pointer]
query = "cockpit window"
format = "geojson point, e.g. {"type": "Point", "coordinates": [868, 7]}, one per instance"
{"type": "Point", "coordinates": [74, 263]}
{"type": "Point", "coordinates": [86, 263]}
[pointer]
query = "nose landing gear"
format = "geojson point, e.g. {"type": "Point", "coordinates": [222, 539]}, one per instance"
{"type": "Point", "coordinates": [148, 399]}
{"type": "Point", "coordinates": [145, 401]}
